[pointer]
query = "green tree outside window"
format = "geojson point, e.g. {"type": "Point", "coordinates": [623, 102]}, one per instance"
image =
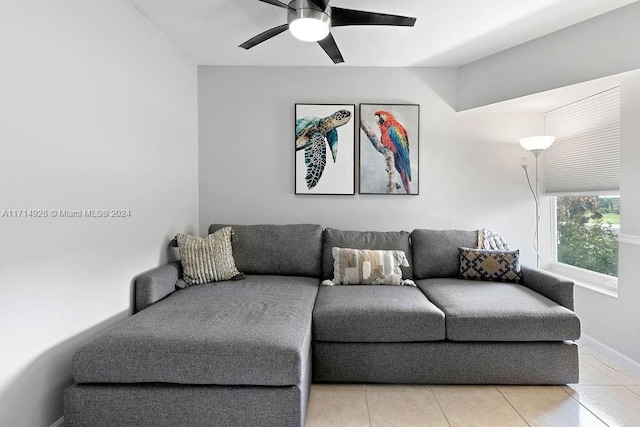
{"type": "Point", "coordinates": [587, 232]}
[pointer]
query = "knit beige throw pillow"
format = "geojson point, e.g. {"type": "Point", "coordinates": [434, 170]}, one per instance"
{"type": "Point", "coordinates": [209, 259]}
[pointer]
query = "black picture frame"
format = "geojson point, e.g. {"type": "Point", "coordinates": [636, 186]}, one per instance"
{"type": "Point", "coordinates": [325, 149]}
{"type": "Point", "coordinates": [384, 129]}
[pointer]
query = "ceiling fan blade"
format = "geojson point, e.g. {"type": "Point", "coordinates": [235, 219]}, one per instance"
{"type": "Point", "coordinates": [322, 4]}
{"type": "Point", "coordinates": [329, 45]}
{"type": "Point", "coordinates": [277, 3]}
{"type": "Point", "coordinates": [342, 17]}
{"type": "Point", "coordinates": [264, 36]}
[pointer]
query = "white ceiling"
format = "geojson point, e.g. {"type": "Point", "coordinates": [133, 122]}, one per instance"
{"type": "Point", "coordinates": [448, 33]}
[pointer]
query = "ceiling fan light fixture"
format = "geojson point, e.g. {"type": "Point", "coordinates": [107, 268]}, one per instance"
{"type": "Point", "coordinates": [309, 25]}
{"type": "Point", "coordinates": [312, 20]}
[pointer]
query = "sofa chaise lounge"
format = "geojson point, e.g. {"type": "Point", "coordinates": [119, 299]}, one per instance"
{"type": "Point", "coordinates": [240, 353]}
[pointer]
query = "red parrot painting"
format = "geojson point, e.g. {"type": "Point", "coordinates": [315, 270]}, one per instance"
{"type": "Point", "coordinates": [394, 137]}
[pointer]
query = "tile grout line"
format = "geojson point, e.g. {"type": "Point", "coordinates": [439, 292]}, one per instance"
{"type": "Point", "coordinates": [585, 407]}
{"type": "Point", "coordinates": [602, 372]}
{"type": "Point", "coordinates": [628, 387]}
{"type": "Point", "coordinates": [604, 361]}
{"type": "Point", "coordinates": [366, 399]}
{"type": "Point", "coordinates": [511, 404]}
{"type": "Point", "coordinates": [621, 371]}
{"type": "Point", "coordinates": [440, 406]}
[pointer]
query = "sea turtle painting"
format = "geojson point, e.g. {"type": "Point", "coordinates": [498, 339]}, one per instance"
{"type": "Point", "coordinates": [313, 134]}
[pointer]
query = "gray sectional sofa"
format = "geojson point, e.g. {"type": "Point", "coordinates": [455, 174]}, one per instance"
{"type": "Point", "coordinates": [244, 353]}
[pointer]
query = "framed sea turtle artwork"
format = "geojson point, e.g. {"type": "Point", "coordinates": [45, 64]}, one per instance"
{"type": "Point", "coordinates": [389, 149]}
{"type": "Point", "coordinates": [325, 149]}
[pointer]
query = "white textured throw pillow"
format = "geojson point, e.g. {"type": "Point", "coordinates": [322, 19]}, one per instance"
{"type": "Point", "coordinates": [368, 267]}
{"type": "Point", "coordinates": [209, 259]}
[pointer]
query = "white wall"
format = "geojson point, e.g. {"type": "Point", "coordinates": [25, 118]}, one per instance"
{"type": "Point", "coordinates": [602, 46]}
{"type": "Point", "coordinates": [630, 156]}
{"type": "Point", "coordinates": [470, 174]}
{"type": "Point", "coordinates": [615, 322]}
{"type": "Point", "coordinates": [98, 110]}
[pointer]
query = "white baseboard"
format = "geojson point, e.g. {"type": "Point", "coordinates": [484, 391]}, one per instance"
{"type": "Point", "coordinates": [58, 423]}
{"type": "Point", "coordinates": [610, 353]}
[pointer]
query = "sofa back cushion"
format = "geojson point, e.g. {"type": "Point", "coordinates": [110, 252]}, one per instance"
{"type": "Point", "coordinates": [283, 250]}
{"type": "Point", "coordinates": [375, 240]}
{"type": "Point", "coordinates": [435, 252]}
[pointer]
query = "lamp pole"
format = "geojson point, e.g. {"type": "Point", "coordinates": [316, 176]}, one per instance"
{"type": "Point", "coordinates": [536, 145]}
{"type": "Point", "coordinates": [536, 154]}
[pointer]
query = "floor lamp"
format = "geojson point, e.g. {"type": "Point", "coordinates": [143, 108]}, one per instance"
{"type": "Point", "coordinates": [536, 145]}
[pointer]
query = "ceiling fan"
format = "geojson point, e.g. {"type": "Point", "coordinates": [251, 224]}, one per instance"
{"type": "Point", "coordinates": [311, 20]}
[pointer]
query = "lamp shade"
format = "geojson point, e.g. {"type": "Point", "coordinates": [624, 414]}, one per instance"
{"type": "Point", "coordinates": [309, 25]}
{"type": "Point", "coordinates": [541, 142]}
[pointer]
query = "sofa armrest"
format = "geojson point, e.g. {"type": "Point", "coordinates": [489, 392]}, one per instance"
{"type": "Point", "coordinates": [551, 286]}
{"type": "Point", "coordinates": [155, 284]}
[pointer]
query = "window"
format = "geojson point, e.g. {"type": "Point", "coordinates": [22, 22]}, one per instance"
{"type": "Point", "coordinates": [587, 229]}
{"type": "Point", "coordinates": [582, 172]}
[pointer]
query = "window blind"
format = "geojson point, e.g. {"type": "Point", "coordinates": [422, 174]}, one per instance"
{"type": "Point", "coordinates": [586, 155]}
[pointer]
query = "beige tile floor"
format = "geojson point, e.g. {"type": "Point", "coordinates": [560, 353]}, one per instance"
{"type": "Point", "coordinates": [607, 395]}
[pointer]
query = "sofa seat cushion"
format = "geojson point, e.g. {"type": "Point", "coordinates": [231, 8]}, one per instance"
{"type": "Point", "coordinates": [251, 332]}
{"type": "Point", "coordinates": [375, 314]}
{"type": "Point", "coordinates": [492, 311]}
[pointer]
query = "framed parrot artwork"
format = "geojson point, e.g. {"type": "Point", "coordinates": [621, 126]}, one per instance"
{"type": "Point", "coordinates": [325, 149]}
{"type": "Point", "coordinates": [389, 148]}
